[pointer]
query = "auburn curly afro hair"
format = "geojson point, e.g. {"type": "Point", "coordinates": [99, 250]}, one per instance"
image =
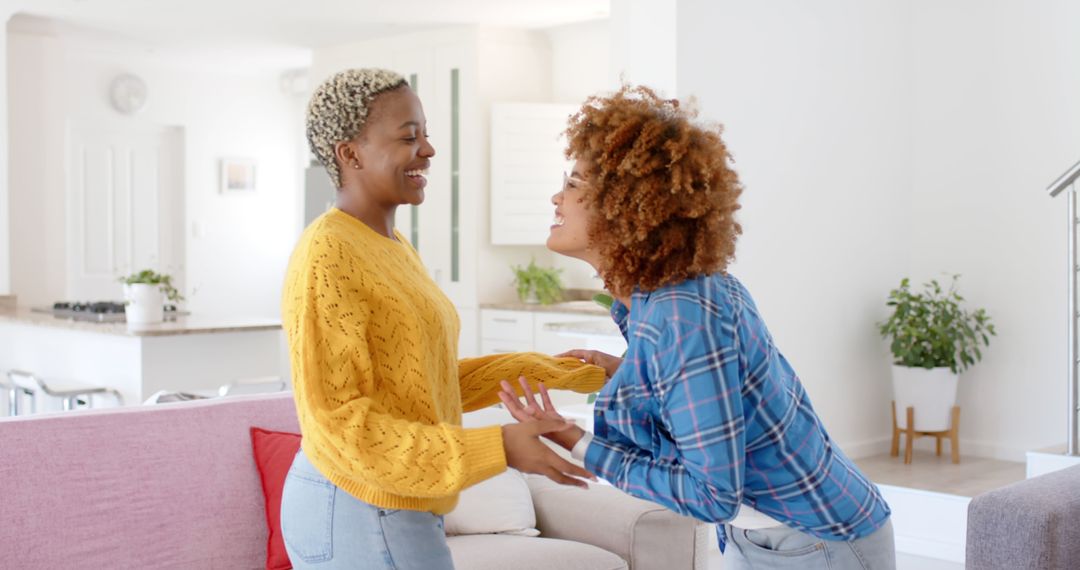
{"type": "Point", "coordinates": [661, 191]}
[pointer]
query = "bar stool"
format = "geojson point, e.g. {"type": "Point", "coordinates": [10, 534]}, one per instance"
{"type": "Point", "coordinates": [24, 384]}
{"type": "Point", "coordinates": [258, 385]}
{"type": "Point", "coordinates": [11, 394]}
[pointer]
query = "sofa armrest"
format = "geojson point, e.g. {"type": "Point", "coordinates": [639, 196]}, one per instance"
{"type": "Point", "coordinates": [646, 535]}
{"type": "Point", "coordinates": [1029, 524]}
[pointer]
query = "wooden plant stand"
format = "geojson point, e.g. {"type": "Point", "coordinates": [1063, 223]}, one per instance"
{"type": "Point", "coordinates": [953, 433]}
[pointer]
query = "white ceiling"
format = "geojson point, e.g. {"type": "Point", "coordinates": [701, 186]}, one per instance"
{"type": "Point", "coordinates": [285, 31]}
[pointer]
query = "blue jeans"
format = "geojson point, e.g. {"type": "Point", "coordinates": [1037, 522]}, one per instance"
{"type": "Point", "coordinates": [329, 529]}
{"type": "Point", "coordinates": [783, 547]}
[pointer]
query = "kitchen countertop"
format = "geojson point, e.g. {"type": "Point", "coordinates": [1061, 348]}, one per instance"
{"type": "Point", "coordinates": [585, 328]}
{"type": "Point", "coordinates": [179, 326]}
{"type": "Point", "coordinates": [581, 307]}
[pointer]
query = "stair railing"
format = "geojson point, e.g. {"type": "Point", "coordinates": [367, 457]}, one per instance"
{"type": "Point", "coordinates": [1067, 182]}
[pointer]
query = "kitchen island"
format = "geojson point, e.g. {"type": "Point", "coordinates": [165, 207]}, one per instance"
{"type": "Point", "coordinates": [185, 354]}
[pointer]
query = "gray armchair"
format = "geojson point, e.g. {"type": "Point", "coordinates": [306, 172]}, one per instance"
{"type": "Point", "coordinates": [1030, 524]}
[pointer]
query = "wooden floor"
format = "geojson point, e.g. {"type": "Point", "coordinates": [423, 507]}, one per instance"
{"type": "Point", "coordinates": [972, 476]}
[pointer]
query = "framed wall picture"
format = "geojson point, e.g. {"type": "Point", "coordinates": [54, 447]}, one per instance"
{"type": "Point", "coordinates": [237, 175]}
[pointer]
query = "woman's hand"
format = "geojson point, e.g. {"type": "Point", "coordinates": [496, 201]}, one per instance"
{"type": "Point", "coordinates": [606, 361]}
{"type": "Point", "coordinates": [525, 452]}
{"type": "Point", "coordinates": [532, 411]}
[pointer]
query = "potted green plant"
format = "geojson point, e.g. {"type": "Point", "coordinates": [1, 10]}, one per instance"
{"type": "Point", "coordinates": [537, 284]}
{"type": "Point", "coordinates": [144, 295]}
{"type": "Point", "coordinates": [605, 300]}
{"type": "Point", "coordinates": [932, 339]}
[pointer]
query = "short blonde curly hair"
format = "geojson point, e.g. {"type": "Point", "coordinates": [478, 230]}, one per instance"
{"type": "Point", "coordinates": [663, 191]}
{"type": "Point", "coordinates": [339, 107]}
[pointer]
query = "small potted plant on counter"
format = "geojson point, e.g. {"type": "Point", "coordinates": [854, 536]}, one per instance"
{"type": "Point", "coordinates": [144, 296]}
{"type": "Point", "coordinates": [933, 340]}
{"type": "Point", "coordinates": [537, 284]}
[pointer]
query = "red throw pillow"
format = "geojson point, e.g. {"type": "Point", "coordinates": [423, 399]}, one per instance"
{"type": "Point", "coordinates": [274, 453]}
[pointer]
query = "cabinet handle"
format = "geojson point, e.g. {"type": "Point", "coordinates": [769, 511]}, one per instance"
{"type": "Point", "coordinates": [504, 320]}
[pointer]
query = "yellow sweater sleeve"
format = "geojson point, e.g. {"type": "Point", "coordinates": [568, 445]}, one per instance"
{"type": "Point", "coordinates": [346, 428]}
{"type": "Point", "coordinates": [479, 377]}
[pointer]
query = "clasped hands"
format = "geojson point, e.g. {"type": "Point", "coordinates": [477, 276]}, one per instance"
{"type": "Point", "coordinates": [524, 450]}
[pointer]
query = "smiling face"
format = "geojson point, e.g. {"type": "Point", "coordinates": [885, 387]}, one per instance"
{"type": "Point", "coordinates": [391, 156]}
{"type": "Point", "coordinates": [569, 234]}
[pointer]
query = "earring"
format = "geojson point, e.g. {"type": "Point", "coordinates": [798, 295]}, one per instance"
{"type": "Point", "coordinates": [356, 165]}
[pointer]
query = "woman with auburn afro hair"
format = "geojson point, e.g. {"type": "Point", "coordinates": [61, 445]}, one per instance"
{"type": "Point", "coordinates": [703, 414]}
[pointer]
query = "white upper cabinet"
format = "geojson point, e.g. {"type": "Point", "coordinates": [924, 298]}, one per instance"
{"type": "Point", "coordinates": [527, 165]}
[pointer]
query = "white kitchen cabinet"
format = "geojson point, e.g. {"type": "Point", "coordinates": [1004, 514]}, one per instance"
{"type": "Point", "coordinates": [503, 331]}
{"type": "Point", "coordinates": [190, 354]}
{"type": "Point", "coordinates": [497, 346]}
{"type": "Point", "coordinates": [527, 165]}
{"type": "Point", "coordinates": [507, 326]}
{"type": "Point", "coordinates": [528, 330]}
{"type": "Point", "coordinates": [552, 342]}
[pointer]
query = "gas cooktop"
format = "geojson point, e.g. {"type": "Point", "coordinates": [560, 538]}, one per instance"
{"type": "Point", "coordinates": [97, 311]}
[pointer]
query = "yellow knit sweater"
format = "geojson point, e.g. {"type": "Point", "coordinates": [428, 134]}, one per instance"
{"type": "Point", "coordinates": [379, 390]}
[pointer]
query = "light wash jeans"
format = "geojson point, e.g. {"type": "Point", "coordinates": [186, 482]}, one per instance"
{"type": "Point", "coordinates": [784, 547]}
{"type": "Point", "coordinates": [329, 529]}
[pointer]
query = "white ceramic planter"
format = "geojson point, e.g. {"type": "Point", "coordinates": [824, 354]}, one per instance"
{"type": "Point", "coordinates": [932, 392]}
{"type": "Point", "coordinates": [145, 304]}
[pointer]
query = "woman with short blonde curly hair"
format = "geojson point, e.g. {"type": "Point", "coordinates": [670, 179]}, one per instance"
{"type": "Point", "coordinates": [378, 387]}
{"type": "Point", "coordinates": [703, 414]}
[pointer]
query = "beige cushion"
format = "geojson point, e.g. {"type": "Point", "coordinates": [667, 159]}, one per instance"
{"type": "Point", "coordinates": [501, 504]}
{"type": "Point", "coordinates": [505, 552]}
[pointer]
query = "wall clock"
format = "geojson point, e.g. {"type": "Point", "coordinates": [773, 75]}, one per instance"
{"type": "Point", "coordinates": [127, 93]}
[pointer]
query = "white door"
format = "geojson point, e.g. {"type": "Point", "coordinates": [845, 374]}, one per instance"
{"type": "Point", "coordinates": [443, 228]}
{"type": "Point", "coordinates": [418, 68]}
{"type": "Point", "coordinates": [125, 207]}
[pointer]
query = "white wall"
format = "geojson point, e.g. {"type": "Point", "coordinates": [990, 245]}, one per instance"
{"type": "Point", "coordinates": [813, 98]}
{"type": "Point", "coordinates": [890, 139]}
{"type": "Point", "coordinates": [643, 43]}
{"type": "Point", "coordinates": [580, 67]}
{"type": "Point", "coordinates": [995, 120]}
{"type": "Point", "coordinates": [5, 210]}
{"type": "Point", "coordinates": [236, 245]}
{"type": "Point", "coordinates": [36, 167]}
{"type": "Point", "coordinates": [513, 67]}
{"type": "Point", "coordinates": [580, 61]}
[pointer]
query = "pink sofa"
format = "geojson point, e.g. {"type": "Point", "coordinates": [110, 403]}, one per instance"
{"type": "Point", "coordinates": [175, 486]}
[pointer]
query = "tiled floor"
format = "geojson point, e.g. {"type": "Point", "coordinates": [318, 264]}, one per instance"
{"type": "Point", "coordinates": [973, 475]}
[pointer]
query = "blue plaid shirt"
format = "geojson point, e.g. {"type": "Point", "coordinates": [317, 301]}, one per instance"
{"type": "Point", "coordinates": [705, 414]}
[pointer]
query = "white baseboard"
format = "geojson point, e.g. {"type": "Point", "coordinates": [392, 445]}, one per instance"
{"type": "Point", "coordinates": [928, 524]}
{"type": "Point", "coordinates": [1043, 462]}
{"type": "Point", "coordinates": [866, 448]}
{"type": "Point", "coordinates": [968, 447]}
